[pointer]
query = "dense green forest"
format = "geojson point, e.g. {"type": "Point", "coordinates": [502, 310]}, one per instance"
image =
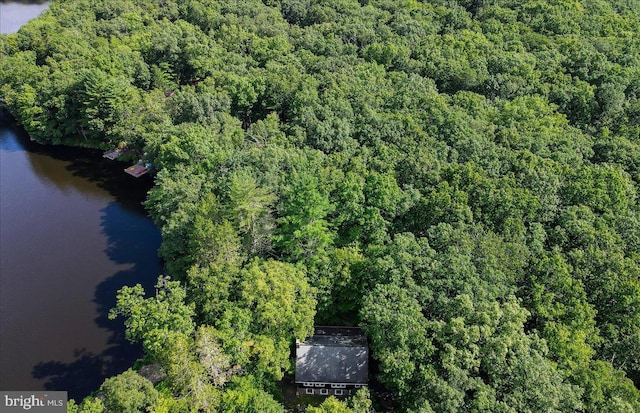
{"type": "Point", "coordinates": [459, 178]}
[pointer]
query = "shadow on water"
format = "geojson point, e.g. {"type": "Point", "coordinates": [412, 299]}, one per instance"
{"type": "Point", "coordinates": [79, 378]}
{"type": "Point", "coordinates": [130, 241]}
{"type": "Point", "coordinates": [84, 163]}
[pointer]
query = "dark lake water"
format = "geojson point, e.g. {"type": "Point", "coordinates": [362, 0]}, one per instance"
{"type": "Point", "coordinates": [72, 232]}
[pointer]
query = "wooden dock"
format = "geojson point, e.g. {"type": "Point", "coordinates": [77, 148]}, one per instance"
{"type": "Point", "coordinates": [113, 154]}
{"type": "Point", "coordinates": [137, 170]}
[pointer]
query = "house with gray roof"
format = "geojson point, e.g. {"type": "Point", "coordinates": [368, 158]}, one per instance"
{"type": "Point", "coordinates": [332, 362]}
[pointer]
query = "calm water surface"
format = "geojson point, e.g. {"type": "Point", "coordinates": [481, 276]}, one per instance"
{"type": "Point", "coordinates": [13, 15]}
{"type": "Point", "coordinates": [72, 232]}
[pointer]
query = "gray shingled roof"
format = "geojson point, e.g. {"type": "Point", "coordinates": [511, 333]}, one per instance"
{"type": "Point", "coordinates": [333, 355]}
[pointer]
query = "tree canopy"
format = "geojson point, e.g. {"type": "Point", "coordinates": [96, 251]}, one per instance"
{"type": "Point", "coordinates": [460, 178]}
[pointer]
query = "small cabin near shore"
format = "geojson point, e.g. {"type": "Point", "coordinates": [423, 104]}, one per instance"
{"type": "Point", "coordinates": [332, 362]}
